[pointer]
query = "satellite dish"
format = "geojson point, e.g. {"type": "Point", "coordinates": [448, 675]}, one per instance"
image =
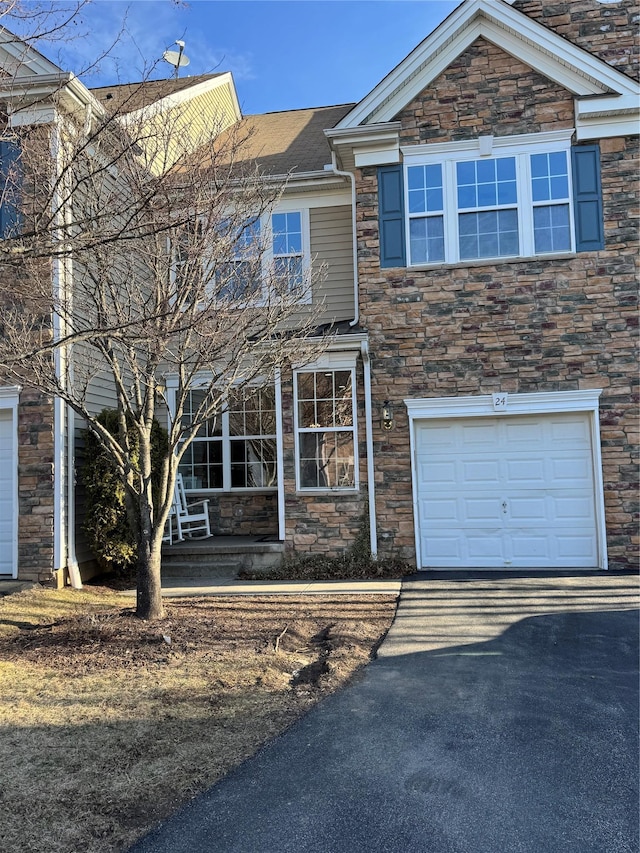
{"type": "Point", "coordinates": [176, 58]}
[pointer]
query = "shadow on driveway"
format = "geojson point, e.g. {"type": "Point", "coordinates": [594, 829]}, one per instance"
{"type": "Point", "coordinates": [524, 742]}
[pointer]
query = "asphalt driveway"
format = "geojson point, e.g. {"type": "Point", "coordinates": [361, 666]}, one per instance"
{"type": "Point", "coordinates": [501, 716]}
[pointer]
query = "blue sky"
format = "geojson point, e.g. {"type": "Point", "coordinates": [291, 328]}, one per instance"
{"type": "Point", "coordinates": [283, 55]}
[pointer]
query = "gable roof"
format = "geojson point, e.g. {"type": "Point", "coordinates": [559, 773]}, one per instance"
{"type": "Point", "coordinates": [135, 96]}
{"type": "Point", "coordinates": [601, 90]}
{"type": "Point", "coordinates": [280, 142]}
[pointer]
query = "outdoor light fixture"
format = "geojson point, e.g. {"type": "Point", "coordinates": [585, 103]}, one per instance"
{"type": "Point", "coordinates": [386, 419]}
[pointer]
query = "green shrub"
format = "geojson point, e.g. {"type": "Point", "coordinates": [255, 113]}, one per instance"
{"type": "Point", "coordinates": [106, 522]}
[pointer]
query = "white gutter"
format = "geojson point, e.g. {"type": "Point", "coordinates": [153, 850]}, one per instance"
{"type": "Point", "coordinates": [373, 532]}
{"type": "Point", "coordinates": [356, 289]}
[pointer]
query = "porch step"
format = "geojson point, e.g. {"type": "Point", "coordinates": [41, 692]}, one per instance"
{"type": "Point", "coordinates": [219, 557]}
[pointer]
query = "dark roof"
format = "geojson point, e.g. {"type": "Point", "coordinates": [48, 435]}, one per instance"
{"type": "Point", "coordinates": [291, 140]}
{"type": "Point", "coordinates": [133, 96]}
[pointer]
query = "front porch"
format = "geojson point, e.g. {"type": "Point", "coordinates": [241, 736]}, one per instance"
{"type": "Point", "coordinates": [221, 556]}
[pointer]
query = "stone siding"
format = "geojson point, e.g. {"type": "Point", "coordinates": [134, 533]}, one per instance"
{"type": "Point", "coordinates": [244, 514]}
{"type": "Point", "coordinates": [609, 31]}
{"type": "Point", "coordinates": [517, 326]}
{"type": "Point", "coordinates": [485, 92]}
{"type": "Point", "coordinates": [35, 486]}
{"type": "Point", "coordinates": [320, 523]}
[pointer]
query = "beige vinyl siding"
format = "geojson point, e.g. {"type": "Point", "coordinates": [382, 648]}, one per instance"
{"type": "Point", "coordinates": [331, 236]}
{"type": "Point", "coordinates": [186, 126]}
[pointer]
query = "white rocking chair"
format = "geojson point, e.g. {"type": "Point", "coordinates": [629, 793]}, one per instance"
{"type": "Point", "coordinates": [184, 519]}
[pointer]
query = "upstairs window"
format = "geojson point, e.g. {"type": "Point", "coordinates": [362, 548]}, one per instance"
{"type": "Point", "coordinates": [275, 246]}
{"type": "Point", "coordinates": [241, 278]}
{"type": "Point", "coordinates": [508, 197]}
{"type": "Point", "coordinates": [288, 249]}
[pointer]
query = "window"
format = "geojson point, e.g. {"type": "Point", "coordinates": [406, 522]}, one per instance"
{"type": "Point", "coordinates": [10, 188]}
{"type": "Point", "coordinates": [326, 429]}
{"type": "Point", "coordinates": [287, 247]}
{"type": "Point", "coordinates": [241, 278]}
{"type": "Point", "coordinates": [235, 449]}
{"type": "Point", "coordinates": [492, 198]}
{"type": "Point", "coordinates": [286, 254]}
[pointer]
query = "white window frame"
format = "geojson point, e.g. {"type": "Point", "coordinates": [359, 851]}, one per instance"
{"type": "Point", "coordinates": [293, 206]}
{"type": "Point", "coordinates": [265, 235]}
{"type": "Point", "coordinates": [329, 362]}
{"type": "Point", "coordinates": [225, 440]}
{"type": "Point", "coordinates": [520, 147]}
{"type": "Point", "coordinates": [268, 257]}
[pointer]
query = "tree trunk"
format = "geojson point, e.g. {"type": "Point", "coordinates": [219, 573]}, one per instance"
{"type": "Point", "coordinates": [149, 584]}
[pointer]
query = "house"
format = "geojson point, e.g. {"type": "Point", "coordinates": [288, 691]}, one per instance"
{"type": "Point", "coordinates": [475, 403]}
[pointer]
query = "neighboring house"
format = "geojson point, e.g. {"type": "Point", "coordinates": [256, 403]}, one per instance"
{"type": "Point", "coordinates": [476, 404]}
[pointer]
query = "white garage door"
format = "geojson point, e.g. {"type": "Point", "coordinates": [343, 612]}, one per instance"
{"type": "Point", "coordinates": [506, 492]}
{"type": "Point", "coordinates": [7, 497]}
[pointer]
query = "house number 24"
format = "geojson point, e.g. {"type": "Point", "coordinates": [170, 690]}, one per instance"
{"type": "Point", "coordinates": [500, 402]}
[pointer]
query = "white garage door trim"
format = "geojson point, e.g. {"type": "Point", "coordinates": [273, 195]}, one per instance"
{"type": "Point", "coordinates": [9, 402]}
{"type": "Point", "coordinates": [508, 405]}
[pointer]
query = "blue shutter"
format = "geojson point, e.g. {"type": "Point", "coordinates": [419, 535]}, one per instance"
{"type": "Point", "coordinates": [10, 183]}
{"type": "Point", "coordinates": [391, 216]}
{"type": "Point", "coordinates": [587, 197]}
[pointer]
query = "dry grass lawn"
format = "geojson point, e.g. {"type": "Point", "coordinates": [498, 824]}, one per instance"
{"type": "Point", "coordinates": [108, 724]}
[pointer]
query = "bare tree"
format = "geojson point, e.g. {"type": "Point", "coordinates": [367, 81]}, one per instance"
{"type": "Point", "coordinates": [167, 283]}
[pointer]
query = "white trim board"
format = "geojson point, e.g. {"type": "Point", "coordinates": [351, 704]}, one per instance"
{"type": "Point", "coordinates": [508, 405]}
{"type": "Point", "coordinates": [540, 48]}
{"type": "Point", "coordinates": [9, 398]}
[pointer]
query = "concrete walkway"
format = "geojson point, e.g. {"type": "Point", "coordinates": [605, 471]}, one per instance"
{"type": "Point", "coordinates": [500, 717]}
{"type": "Point", "coordinates": [180, 587]}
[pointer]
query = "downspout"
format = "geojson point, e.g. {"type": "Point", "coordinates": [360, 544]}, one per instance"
{"type": "Point", "coordinates": [64, 534]}
{"type": "Point", "coordinates": [356, 289]}
{"type": "Point", "coordinates": [373, 532]}
{"type": "Point", "coordinates": [364, 349]}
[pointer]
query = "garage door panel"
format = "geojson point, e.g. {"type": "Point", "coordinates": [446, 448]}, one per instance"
{"type": "Point", "coordinates": [576, 547]}
{"type": "Point", "coordinates": [534, 509]}
{"type": "Point", "coordinates": [481, 509]}
{"type": "Point", "coordinates": [438, 473]}
{"type": "Point", "coordinates": [440, 509]}
{"type": "Point", "coordinates": [507, 492]}
{"type": "Point", "coordinates": [523, 434]}
{"type": "Point", "coordinates": [485, 472]}
{"type": "Point", "coordinates": [441, 437]}
{"type": "Point", "coordinates": [525, 546]}
{"type": "Point", "coordinates": [477, 435]}
{"type": "Point", "coordinates": [573, 470]}
{"type": "Point", "coordinates": [571, 430]}
{"type": "Point", "coordinates": [485, 547]}
{"type": "Point", "coordinates": [445, 548]}
{"type": "Point", "coordinates": [574, 508]}
{"type": "Point", "coordinates": [518, 471]}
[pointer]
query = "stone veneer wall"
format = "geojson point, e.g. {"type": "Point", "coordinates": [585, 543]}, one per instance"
{"type": "Point", "coordinates": [244, 514]}
{"type": "Point", "coordinates": [517, 326]}
{"type": "Point", "coordinates": [35, 486]}
{"type": "Point", "coordinates": [321, 523]}
{"type": "Point", "coordinates": [610, 31]}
